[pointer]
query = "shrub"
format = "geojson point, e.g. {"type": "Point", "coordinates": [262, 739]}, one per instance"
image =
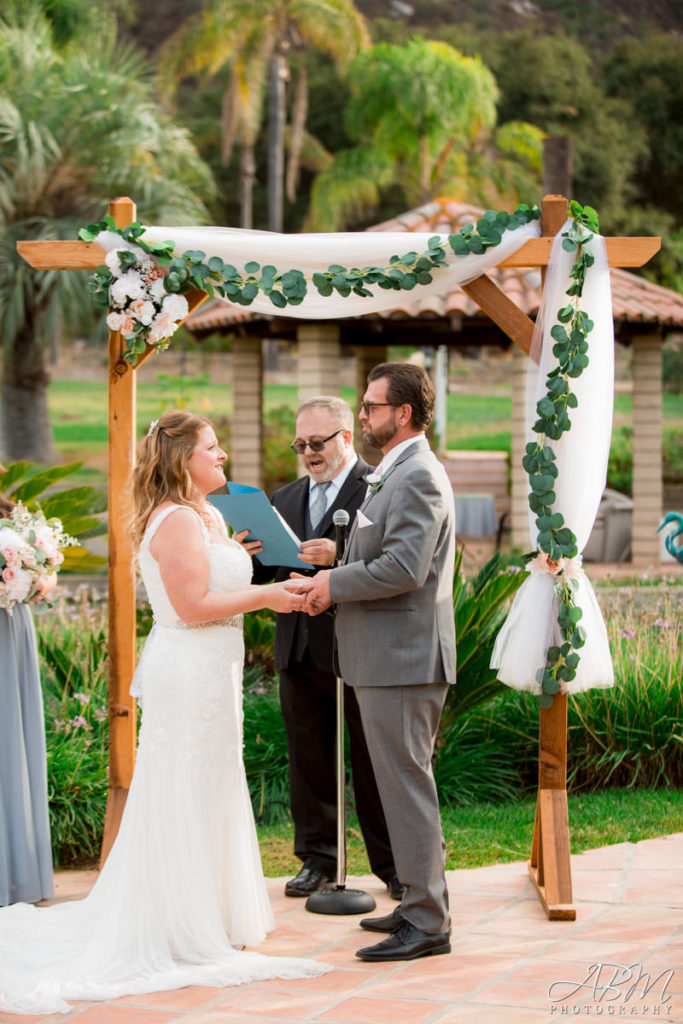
{"type": "Point", "coordinates": [620, 468]}
{"type": "Point", "coordinates": [630, 735]}
{"type": "Point", "coordinates": [72, 644]}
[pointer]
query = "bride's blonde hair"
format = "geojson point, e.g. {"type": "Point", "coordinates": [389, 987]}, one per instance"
{"type": "Point", "coordinates": [161, 471]}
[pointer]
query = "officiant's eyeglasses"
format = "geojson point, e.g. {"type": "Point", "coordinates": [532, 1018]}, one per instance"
{"type": "Point", "coordinates": [316, 446]}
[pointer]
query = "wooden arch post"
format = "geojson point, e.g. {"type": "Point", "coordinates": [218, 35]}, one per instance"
{"type": "Point", "coordinates": [550, 864]}
{"type": "Point", "coordinates": [121, 422]}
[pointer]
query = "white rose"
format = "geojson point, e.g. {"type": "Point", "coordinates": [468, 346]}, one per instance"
{"type": "Point", "coordinates": [176, 306]}
{"type": "Point", "coordinates": [116, 321]}
{"type": "Point", "coordinates": [20, 585]}
{"type": "Point", "coordinates": [142, 311]}
{"type": "Point", "coordinates": [112, 261]}
{"type": "Point", "coordinates": [129, 285]}
{"type": "Point", "coordinates": [157, 289]}
{"type": "Point", "coordinates": [164, 325]}
{"type": "Point", "coordinates": [9, 539]}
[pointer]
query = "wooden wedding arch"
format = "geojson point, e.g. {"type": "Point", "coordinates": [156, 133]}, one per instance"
{"type": "Point", "coordinates": [549, 864]}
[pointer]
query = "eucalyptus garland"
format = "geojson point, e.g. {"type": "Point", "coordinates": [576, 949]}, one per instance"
{"type": "Point", "coordinates": [193, 269]}
{"type": "Point", "coordinates": [556, 542]}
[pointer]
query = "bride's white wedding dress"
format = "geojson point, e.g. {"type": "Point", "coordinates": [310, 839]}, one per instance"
{"type": "Point", "coordinates": [183, 883]}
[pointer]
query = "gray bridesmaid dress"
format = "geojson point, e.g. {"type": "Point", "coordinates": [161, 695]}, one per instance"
{"type": "Point", "coordinates": [25, 854]}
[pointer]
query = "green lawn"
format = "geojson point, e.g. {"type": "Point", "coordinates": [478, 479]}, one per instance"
{"type": "Point", "coordinates": [495, 833]}
{"type": "Point", "coordinates": [78, 410]}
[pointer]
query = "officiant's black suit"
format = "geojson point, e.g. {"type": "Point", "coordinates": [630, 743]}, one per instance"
{"type": "Point", "coordinates": [303, 655]}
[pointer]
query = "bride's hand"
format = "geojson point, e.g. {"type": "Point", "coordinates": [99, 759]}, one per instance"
{"type": "Point", "coordinates": [288, 596]}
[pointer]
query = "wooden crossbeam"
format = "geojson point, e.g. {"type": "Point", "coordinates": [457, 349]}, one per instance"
{"type": "Point", "coordinates": [75, 255]}
{"type": "Point", "coordinates": [621, 252]}
{"type": "Point", "coordinates": [502, 310]}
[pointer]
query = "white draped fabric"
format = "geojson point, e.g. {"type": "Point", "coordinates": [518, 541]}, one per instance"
{"type": "Point", "coordinates": [313, 253]}
{"type": "Point", "coordinates": [581, 459]}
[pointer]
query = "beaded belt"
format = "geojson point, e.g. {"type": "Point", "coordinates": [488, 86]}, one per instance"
{"type": "Point", "coordinates": [236, 621]}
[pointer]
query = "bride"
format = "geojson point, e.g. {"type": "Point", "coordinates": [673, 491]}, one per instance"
{"type": "Point", "coordinates": [182, 889]}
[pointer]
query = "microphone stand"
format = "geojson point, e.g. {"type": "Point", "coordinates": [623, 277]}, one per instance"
{"type": "Point", "coordinates": [340, 900]}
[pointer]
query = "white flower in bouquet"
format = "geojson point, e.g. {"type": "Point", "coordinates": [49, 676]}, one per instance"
{"type": "Point", "coordinates": [175, 306]}
{"type": "Point", "coordinates": [30, 550]}
{"type": "Point", "coordinates": [142, 311]}
{"type": "Point", "coordinates": [157, 289]}
{"type": "Point", "coordinates": [129, 286]}
{"type": "Point", "coordinates": [113, 263]}
{"type": "Point", "coordinates": [119, 321]}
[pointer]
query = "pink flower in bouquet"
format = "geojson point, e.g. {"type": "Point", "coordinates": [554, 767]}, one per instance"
{"type": "Point", "coordinates": [569, 566]}
{"type": "Point", "coordinates": [9, 574]}
{"type": "Point", "coordinates": [116, 321]}
{"type": "Point", "coordinates": [142, 311]}
{"type": "Point", "coordinates": [543, 563]}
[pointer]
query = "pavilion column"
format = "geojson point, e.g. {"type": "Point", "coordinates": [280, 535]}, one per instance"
{"type": "Point", "coordinates": [367, 356]}
{"type": "Point", "coordinates": [647, 449]}
{"type": "Point", "coordinates": [318, 359]}
{"type": "Point", "coordinates": [246, 456]}
{"type": "Point", "coordinates": [519, 499]}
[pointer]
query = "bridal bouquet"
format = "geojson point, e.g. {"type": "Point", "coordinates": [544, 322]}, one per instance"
{"type": "Point", "coordinates": [30, 550]}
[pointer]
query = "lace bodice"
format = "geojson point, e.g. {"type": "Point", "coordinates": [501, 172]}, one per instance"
{"type": "Point", "coordinates": [230, 568]}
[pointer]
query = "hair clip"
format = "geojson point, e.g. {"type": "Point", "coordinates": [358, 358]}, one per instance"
{"type": "Point", "coordinates": [151, 427]}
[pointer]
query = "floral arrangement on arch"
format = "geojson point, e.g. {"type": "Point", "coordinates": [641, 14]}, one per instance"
{"type": "Point", "coordinates": [30, 550]}
{"type": "Point", "coordinates": [141, 306]}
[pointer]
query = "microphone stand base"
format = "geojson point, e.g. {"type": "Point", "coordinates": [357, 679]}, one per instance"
{"type": "Point", "coordinates": [340, 900]}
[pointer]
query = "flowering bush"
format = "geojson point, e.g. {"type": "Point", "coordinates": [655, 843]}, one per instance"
{"type": "Point", "coordinates": [30, 550]}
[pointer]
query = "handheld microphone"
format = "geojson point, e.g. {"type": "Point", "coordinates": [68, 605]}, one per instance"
{"type": "Point", "coordinates": [341, 525]}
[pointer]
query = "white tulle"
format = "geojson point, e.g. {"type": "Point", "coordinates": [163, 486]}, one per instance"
{"type": "Point", "coordinates": [582, 455]}
{"type": "Point", "coordinates": [310, 253]}
{"type": "Point", "coordinates": [183, 883]}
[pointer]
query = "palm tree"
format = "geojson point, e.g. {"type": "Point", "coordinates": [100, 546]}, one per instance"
{"type": "Point", "coordinates": [424, 117]}
{"type": "Point", "coordinates": [263, 42]}
{"type": "Point", "coordinates": [78, 125]}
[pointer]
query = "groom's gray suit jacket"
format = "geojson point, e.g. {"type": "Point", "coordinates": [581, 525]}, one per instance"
{"type": "Point", "coordinates": [394, 590]}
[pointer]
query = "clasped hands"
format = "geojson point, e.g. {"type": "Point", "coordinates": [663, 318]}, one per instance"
{"type": "Point", "coordinates": [316, 589]}
{"type": "Point", "coordinates": [319, 551]}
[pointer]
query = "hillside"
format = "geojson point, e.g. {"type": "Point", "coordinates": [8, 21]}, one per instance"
{"type": "Point", "coordinates": [597, 23]}
{"type": "Point", "coordinates": [594, 22]}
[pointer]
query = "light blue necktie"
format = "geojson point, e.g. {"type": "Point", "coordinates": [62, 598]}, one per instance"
{"type": "Point", "coordinates": [319, 506]}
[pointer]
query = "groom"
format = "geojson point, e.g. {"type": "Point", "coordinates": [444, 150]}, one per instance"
{"type": "Point", "coordinates": [396, 636]}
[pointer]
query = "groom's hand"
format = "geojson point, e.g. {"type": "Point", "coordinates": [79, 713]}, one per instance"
{"type": "Point", "coordinates": [318, 595]}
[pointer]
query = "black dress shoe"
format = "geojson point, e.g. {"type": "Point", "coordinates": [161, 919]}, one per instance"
{"type": "Point", "coordinates": [406, 943]}
{"type": "Point", "coordinates": [383, 924]}
{"type": "Point", "coordinates": [307, 881]}
{"type": "Point", "coordinates": [396, 890]}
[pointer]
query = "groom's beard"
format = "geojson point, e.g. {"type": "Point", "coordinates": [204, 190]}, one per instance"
{"type": "Point", "coordinates": [382, 436]}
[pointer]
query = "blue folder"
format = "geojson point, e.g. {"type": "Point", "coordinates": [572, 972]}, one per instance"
{"type": "Point", "coordinates": [248, 508]}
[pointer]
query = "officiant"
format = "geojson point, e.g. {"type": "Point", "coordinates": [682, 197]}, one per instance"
{"type": "Point", "coordinates": [303, 656]}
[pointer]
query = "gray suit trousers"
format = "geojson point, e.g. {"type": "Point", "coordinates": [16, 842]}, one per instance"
{"type": "Point", "coordinates": [400, 725]}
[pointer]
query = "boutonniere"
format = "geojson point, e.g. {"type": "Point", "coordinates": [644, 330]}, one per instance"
{"type": "Point", "coordinates": [374, 481]}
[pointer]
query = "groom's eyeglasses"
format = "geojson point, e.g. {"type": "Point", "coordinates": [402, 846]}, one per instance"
{"type": "Point", "coordinates": [367, 407]}
{"type": "Point", "coordinates": [316, 446]}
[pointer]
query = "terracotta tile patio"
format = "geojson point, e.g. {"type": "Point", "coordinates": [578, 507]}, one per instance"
{"type": "Point", "coordinates": [506, 955]}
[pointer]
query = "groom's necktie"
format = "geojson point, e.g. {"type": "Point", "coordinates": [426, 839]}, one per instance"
{"type": "Point", "coordinates": [319, 506]}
